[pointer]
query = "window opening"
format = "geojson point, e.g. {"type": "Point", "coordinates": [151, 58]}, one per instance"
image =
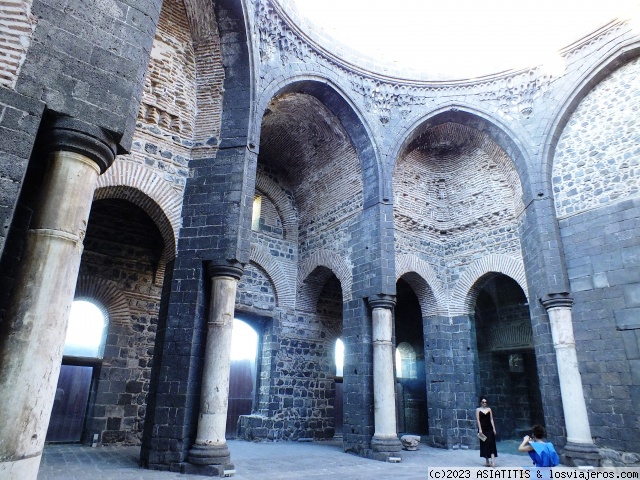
{"type": "Point", "coordinates": [86, 333]}
{"type": "Point", "coordinates": [339, 358]}
{"type": "Point", "coordinates": [406, 361]}
{"type": "Point", "coordinates": [255, 213]}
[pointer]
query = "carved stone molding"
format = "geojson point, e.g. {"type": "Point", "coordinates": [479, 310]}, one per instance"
{"type": "Point", "coordinates": [512, 93]}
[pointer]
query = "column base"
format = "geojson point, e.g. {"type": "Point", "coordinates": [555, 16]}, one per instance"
{"type": "Point", "coordinates": [580, 454]}
{"type": "Point", "coordinates": [385, 449]}
{"type": "Point", "coordinates": [204, 455]}
{"type": "Point", "coordinates": [23, 469]}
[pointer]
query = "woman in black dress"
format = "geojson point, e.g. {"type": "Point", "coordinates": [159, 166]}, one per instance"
{"type": "Point", "coordinates": [484, 417]}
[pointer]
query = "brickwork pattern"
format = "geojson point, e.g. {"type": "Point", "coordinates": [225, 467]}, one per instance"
{"type": "Point", "coordinates": [16, 30]}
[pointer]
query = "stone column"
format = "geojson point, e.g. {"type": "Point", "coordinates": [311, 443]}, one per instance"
{"type": "Point", "coordinates": [35, 325]}
{"type": "Point", "coordinates": [210, 455]}
{"type": "Point", "coordinates": [580, 447]}
{"type": "Point", "coordinates": [385, 440]}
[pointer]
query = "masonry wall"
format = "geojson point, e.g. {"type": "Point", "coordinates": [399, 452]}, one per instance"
{"type": "Point", "coordinates": [457, 195]}
{"type": "Point", "coordinates": [122, 248]}
{"type": "Point", "coordinates": [72, 58]}
{"type": "Point", "coordinates": [595, 178]}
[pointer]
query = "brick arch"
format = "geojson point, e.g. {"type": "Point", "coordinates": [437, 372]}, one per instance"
{"type": "Point", "coordinates": [283, 203]}
{"type": "Point", "coordinates": [334, 263]}
{"type": "Point", "coordinates": [464, 294]}
{"type": "Point", "coordinates": [141, 186]}
{"type": "Point", "coordinates": [357, 128]}
{"type": "Point", "coordinates": [110, 298]}
{"type": "Point", "coordinates": [478, 120]}
{"type": "Point", "coordinates": [425, 283]}
{"type": "Point", "coordinates": [282, 284]}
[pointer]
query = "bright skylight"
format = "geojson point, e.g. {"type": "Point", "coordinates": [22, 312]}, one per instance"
{"type": "Point", "coordinates": [461, 38]}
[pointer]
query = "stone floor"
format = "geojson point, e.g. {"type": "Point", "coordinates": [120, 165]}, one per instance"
{"type": "Point", "coordinates": [281, 460]}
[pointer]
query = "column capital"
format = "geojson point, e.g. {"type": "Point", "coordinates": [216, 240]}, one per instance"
{"type": "Point", "coordinates": [557, 300]}
{"type": "Point", "coordinates": [382, 300]}
{"type": "Point", "coordinates": [72, 135]}
{"type": "Point", "coordinates": [233, 269]}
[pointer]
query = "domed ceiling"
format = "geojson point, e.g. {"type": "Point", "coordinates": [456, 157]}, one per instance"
{"type": "Point", "coordinates": [458, 39]}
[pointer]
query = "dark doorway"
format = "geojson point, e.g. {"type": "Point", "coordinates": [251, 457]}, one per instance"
{"type": "Point", "coordinates": [69, 411]}
{"type": "Point", "coordinates": [508, 373]}
{"type": "Point", "coordinates": [411, 386]}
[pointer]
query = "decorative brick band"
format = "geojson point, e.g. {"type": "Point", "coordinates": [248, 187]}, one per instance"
{"type": "Point", "coordinates": [282, 284]}
{"type": "Point", "coordinates": [148, 191]}
{"type": "Point", "coordinates": [283, 203]}
{"type": "Point", "coordinates": [425, 283]}
{"type": "Point", "coordinates": [334, 262]}
{"type": "Point", "coordinates": [464, 294]}
{"type": "Point", "coordinates": [16, 30]}
{"type": "Point", "coordinates": [108, 297]}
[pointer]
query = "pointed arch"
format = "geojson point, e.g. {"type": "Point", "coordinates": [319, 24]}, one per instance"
{"type": "Point", "coordinates": [612, 61]}
{"type": "Point", "coordinates": [471, 117]}
{"type": "Point", "coordinates": [131, 181]}
{"type": "Point", "coordinates": [351, 119]}
{"type": "Point", "coordinates": [332, 261]}
{"type": "Point", "coordinates": [425, 283]}
{"type": "Point", "coordinates": [282, 284]}
{"type": "Point", "coordinates": [464, 294]}
{"type": "Point", "coordinates": [283, 203]}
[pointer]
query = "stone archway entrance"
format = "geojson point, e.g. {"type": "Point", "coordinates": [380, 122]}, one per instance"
{"type": "Point", "coordinates": [507, 372]}
{"type": "Point", "coordinates": [411, 387]}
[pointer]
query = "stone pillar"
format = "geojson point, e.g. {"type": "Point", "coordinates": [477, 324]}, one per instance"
{"type": "Point", "coordinates": [580, 449]}
{"type": "Point", "coordinates": [210, 455]}
{"type": "Point", "coordinates": [35, 326]}
{"type": "Point", "coordinates": [385, 442]}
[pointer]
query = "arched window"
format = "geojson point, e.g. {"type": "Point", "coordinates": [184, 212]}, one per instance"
{"type": "Point", "coordinates": [339, 358]}
{"type": "Point", "coordinates": [406, 361]}
{"type": "Point", "coordinates": [87, 330]}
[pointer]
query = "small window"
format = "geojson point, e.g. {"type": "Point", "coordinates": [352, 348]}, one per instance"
{"type": "Point", "coordinates": [339, 358]}
{"type": "Point", "coordinates": [86, 333]}
{"type": "Point", "coordinates": [255, 213]}
{"type": "Point", "coordinates": [406, 361]}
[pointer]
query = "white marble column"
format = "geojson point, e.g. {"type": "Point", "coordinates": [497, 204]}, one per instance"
{"type": "Point", "coordinates": [32, 342]}
{"type": "Point", "coordinates": [385, 438]}
{"type": "Point", "coordinates": [573, 404]}
{"type": "Point", "coordinates": [210, 447]}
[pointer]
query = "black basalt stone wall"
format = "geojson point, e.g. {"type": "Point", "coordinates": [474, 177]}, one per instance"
{"type": "Point", "coordinates": [544, 268]}
{"type": "Point", "coordinates": [20, 118]}
{"type": "Point", "coordinates": [603, 258]}
{"type": "Point", "coordinates": [358, 377]}
{"type": "Point", "coordinates": [88, 60]}
{"type": "Point", "coordinates": [85, 61]}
